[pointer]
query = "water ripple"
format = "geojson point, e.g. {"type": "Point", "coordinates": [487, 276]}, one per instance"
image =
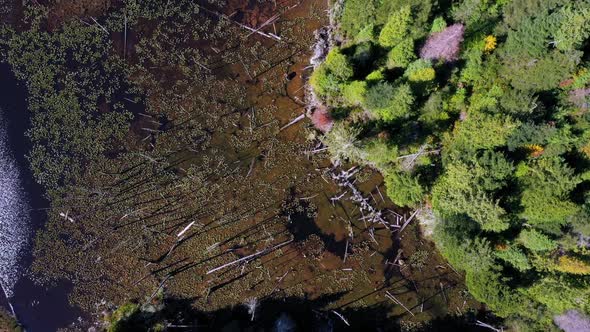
{"type": "Point", "coordinates": [14, 215]}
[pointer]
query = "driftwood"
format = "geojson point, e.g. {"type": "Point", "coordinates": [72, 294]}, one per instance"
{"type": "Point", "coordinates": [252, 30]}
{"type": "Point", "coordinates": [341, 317]}
{"type": "Point", "coordinates": [184, 230]}
{"type": "Point", "coordinates": [345, 252]}
{"type": "Point", "coordinates": [8, 300]}
{"type": "Point", "coordinates": [392, 298]}
{"type": "Point", "coordinates": [368, 211]}
{"type": "Point", "coordinates": [246, 258]}
{"type": "Point", "coordinates": [125, 38]}
{"type": "Point", "coordinates": [103, 28]}
{"type": "Point", "coordinates": [482, 324]}
{"type": "Point", "coordinates": [380, 194]}
{"type": "Point", "coordinates": [160, 286]}
{"type": "Point", "coordinates": [442, 289]}
{"type": "Point", "coordinates": [251, 167]}
{"type": "Point", "coordinates": [269, 21]}
{"type": "Point", "coordinates": [409, 220]}
{"type": "Point", "coordinates": [294, 121]}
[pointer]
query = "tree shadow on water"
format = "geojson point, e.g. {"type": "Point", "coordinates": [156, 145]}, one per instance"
{"type": "Point", "coordinates": [281, 315]}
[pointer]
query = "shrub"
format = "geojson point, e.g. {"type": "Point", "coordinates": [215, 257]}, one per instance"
{"type": "Point", "coordinates": [396, 28]}
{"type": "Point", "coordinates": [515, 257]}
{"type": "Point", "coordinates": [375, 76]}
{"type": "Point", "coordinates": [536, 241]}
{"type": "Point", "coordinates": [323, 83]}
{"type": "Point", "coordinates": [380, 154]}
{"type": "Point", "coordinates": [356, 15]}
{"type": "Point", "coordinates": [338, 64]}
{"type": "Point", "coordinates": [420, 71]}
{"type": "Point", "coordinates": [387, 102]}
{"type": "Point", "coordinates": [322, 119]}
{"type": "Point", "coordinates": [354, 92]}
{"type": "Point", "coordinates": [438, 25]}
{"type": "Point", "coordinates": [401, 55]}
{"type": "Point", "coordinates": [403, 188]}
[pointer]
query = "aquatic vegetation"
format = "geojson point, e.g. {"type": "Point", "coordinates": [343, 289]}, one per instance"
{"type": "Point", "coordinates": [169, 140]}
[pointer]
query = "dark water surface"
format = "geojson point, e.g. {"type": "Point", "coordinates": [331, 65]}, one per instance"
{"type": "Point", "coordinates": [38, 308]}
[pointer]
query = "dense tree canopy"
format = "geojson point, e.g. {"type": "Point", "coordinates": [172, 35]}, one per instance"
{"type": "Point", "coordinates": [490, 128]}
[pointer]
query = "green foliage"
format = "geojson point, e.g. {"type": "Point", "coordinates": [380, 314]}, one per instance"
{"type": "Point", "coordinates": [387, 102]}
{"type": "Point", "coordinates": [467, 136]}
{"type": "Point", "coordinates": [403, 188]}
{"type": "Point", "coordinates": [367, 34]}
{"type": "Point", "coordinates": [559, 295]}
{"type": "Point", "coordinates": [396, 28]}
{"type": "Point", "coordinates": [375, 76]}
{"type": "Point", "coordinates": [547, 185]}
{"type": "Point", "coordinates": [492, 170]}
{"type": "Point", "coordinates": [324, 83]}
{"type": "Point", "coordinates": [476, 12]}
{"type": "Point", "coordinates": [438, 25]}
{"type": "Point", "coordinates": [540, 74]}
{"type": "Point", "coordinates": [354, 92]}
{"type": "Point", "coordinates": [338, 65]}
{"type": "Point", "coordinates": [457, 192]}
{"type": "Point", "coordinates": [509, 134]}
{"type": "Point", "coordinates": [487, 287]}
{"type": "Point", "coordinates": [363, 54]}
{"type": "Point", "coordinates": [356, 16]}
{"type": "Point", "coordinates": [535, 240]}
{"type": "Point", "coordinates": [529, 134]}
{"type": "Point", "coordinates": [401, 55]}
{"type": "Point", "coordinates": [379, 153]}
{"type": "Point", "coordinates": [328, 79]}
{"type": "Point", "coordinates": [119, 318]}
{"type": "Point", "coordinates": [574, 26]}
{"type": "Point", "coordinates": [515, 12]}
{"type": "Point", "coordinates": [420, 71]}
{"type": "Point", "coordinates": [515, 257]}
{"type": "Point", "coordinates": [454, 238]}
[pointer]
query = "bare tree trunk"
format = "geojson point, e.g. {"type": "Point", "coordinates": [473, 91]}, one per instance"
{"type": "Point", "coordinates": [246, 258]}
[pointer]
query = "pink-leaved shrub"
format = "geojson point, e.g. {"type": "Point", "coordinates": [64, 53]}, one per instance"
{"type": "Point", "coordinates": [322, 119]}
{"type": "Point", "coordinates": [572, 321]}
{"type": "Point", "coordinates": [444, 45]}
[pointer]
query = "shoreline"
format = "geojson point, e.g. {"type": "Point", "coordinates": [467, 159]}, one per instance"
{"type": "Point", "coordinates": [35, 306]}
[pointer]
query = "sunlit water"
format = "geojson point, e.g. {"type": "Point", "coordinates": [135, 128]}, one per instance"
{"type": "Point", "coordinates": [14, 215]}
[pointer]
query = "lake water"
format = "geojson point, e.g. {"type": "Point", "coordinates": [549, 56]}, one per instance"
{"type": "Point", "coordinates": [22, 213]}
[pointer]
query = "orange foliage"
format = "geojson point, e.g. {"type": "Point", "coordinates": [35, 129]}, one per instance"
{"type": "Point", "coordinates": [501, 246]}
{"type": "Point", "coordinates": [572, 265]}
{"type": "Point", "coordinates": [535, 150]}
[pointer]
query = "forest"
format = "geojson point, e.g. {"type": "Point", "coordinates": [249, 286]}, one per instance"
{"type": "Point", "coordinates": [478, 112]}
{"type": "Point", "coordinates": [403, 165]}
